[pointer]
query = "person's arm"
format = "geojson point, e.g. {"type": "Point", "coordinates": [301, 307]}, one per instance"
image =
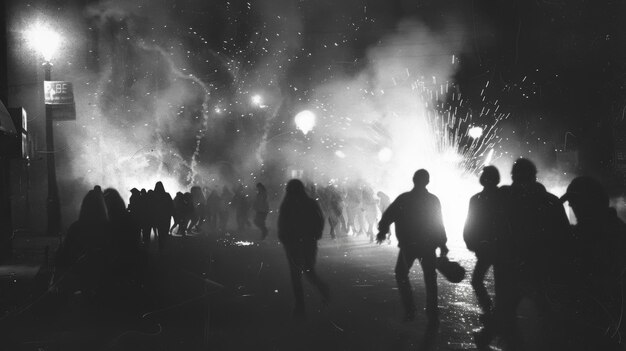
{"type": "Point", "coordinates": [388, 217]}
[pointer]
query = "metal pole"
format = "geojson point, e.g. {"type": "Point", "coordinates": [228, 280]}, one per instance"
{"type": "Point", "coordinates": [52, 203]}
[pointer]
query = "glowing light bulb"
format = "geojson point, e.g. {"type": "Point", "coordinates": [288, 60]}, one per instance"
{"type": "Point", "coordinates": [475, 132]}
{"type": "Point", "coordinates": [43, 40]}
{"type": "Point", "coordinates": [305, 121]}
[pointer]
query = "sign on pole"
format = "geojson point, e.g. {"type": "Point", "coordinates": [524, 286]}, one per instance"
{"type": "Point", "coordinates": [59, 99]}
{"type": "Point", "coordinates": [58, 93]}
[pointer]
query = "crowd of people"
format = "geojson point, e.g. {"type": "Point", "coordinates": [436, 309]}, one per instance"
{"type": "Point", "coordinates": [573, 275]}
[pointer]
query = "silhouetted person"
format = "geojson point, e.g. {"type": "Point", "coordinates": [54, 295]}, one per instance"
{"type": "Point", "coordinates": [82, 258]}
{"type": "Point", "coordinates": [186, 213]}
{"type": "Point", "coordinates": [369, 210]}
{"type": "Point", "coordinates": [143, 213]}
{"type": "Point", "coordinates": [242, 208]}
{"type": "Point", "coordinates": [300, 226]}
{"type": "Point", "coordinates": [334, 210]}
{"type": "Point", "coordinates": [163, 209]}
{"type": "Point", "coordinates": [261, 209]}
{"type": "Point", "coordinates": [420, 231]}
{"type": "Point", "coordinates": [213, 204]}
{"type": "Point", "coordinates": [198, 203]}
{"type": "Point", "coordinates": [150, 218]}
{"type": "Point", "coordinates": [598, 257]}
{"type": "Point", "coordinates": [529, 255]}
{"type": "Point", "coordinates": [227, 196]}
{"type": "Point", "coordinates": [353, 210]}
{"type": "Point", "coordinates": [134, 204]}
{"type": "Point", "coordinates": [485, 220]}
{"type": "Point", "coordinates": [124, 238]}
{"type": "Point", "coordinates": [179, 208]}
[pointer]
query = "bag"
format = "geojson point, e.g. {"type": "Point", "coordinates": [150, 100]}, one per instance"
{"type": "Point", "coordinates": [451, 270]}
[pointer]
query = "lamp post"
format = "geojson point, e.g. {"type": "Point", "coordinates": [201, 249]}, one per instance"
{"type": "Point", "coordinates": [46, 42]}
{"type": "Point", "coordinates": [53, 205]}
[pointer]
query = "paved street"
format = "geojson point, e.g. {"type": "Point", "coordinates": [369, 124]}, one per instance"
{"type": "Point", "coordinates": [365, 313]}
{"type": "Point", "coordinates": [250, 303]}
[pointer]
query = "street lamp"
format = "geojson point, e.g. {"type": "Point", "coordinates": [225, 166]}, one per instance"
{"type": "Point", "coordinates": [47, 42]}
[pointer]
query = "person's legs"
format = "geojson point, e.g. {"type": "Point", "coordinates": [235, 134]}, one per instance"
{"type": "Point", "coordinates": [295, 270]}
{"type": "Point", "coordinates": [403, 266]}
{"type": "Point", "coordinates": [310, 253]}
{"type": "Point", "coordinates": [332, 222]}
{"type": "Point", "coordinates": [146, 232]}
{"type": "Point", "coordinates": [478, 276]}
{"type": "Point", "coordinates": [259, 221]}
{"type": "Point", "coordinates": [428, 263]}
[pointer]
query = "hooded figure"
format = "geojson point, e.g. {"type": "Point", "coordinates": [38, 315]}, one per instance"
{"type": "Point", "coordinates": [123, 234]}
{"type": "Point", "coordinates": [84, 252]}
{"type": "Point", "coordinates": [300, 226]}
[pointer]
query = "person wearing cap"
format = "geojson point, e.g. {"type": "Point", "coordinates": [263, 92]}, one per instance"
{"type": "Point", "coordinates": [599, 266]}
{"type": "Point", "coordinates": [420, 231]}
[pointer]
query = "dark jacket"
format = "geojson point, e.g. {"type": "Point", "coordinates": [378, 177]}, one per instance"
{"type": "Point", "coordinates": [485, 220]}
{"type": "Point", "coordinates": [538, 230]}
{"type": "Point", "coordinates": [418, 219]}
{"type": "Point", "coordinates": [300, 220]}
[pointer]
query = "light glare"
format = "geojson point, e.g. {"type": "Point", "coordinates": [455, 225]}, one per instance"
{"type": "Point", "coordinates": [305, 121]}
{"type": "Point", "coordinates": [475, 132]}
{"type": "Point", "coordinates": [43, 40]}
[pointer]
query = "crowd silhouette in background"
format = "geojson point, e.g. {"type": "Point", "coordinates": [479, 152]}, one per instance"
{"type": "Point", "coordinates": [573, 275]}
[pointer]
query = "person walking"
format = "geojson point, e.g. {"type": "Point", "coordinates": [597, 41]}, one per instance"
{"type": "Point", "coordinates": [300, 226]}
{"type": "Point", "coordinates": [261, 209]}
{"type": "Point", "coordinates": [484, 222]}
{"type": "Point", "coordinates": [420, 231]}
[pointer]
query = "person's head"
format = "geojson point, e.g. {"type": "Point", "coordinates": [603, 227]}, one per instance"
{"type": "Point", "coordinates": [159, 188]}
{"type": "Point", "coordinates": [490, 177]}
{"type": "Point", "coordinates": [114, 203]}
{"type": "Point", "coordinates": [524, 171]}
{"type": "Point", "coordinates": [295, 189]}
{"type": "Point", "coordinates": [93, 209]}
{"type": "Point", "coordinates": [134, 191]}
{"type": "Point", "coordinates": [421, 178]}
{"type": "Point", "coordinates": [587, 198]}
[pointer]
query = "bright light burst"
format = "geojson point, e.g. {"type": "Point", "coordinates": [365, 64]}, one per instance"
{"type": "Point", "coordinates": [475, 132]}
{"type": "Point", "coordinates": [305, 121]}
{"type": "Point", "coordinates": [257, 100]}
{"type": "Point", "coordinates": [43, 40]}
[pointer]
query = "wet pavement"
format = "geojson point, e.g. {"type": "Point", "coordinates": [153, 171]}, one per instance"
{"type": "Point", "coordinates": [365, 312]}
